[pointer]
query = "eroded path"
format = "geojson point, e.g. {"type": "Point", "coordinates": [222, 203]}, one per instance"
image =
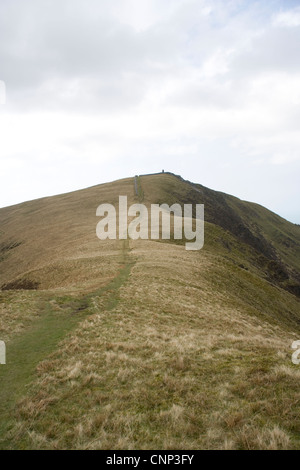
{"type": "Point", "coordinates": [57, 317]}
{"type": "Point", "coordinates": [171, 356]}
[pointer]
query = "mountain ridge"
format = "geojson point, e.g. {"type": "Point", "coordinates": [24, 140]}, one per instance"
{"type": "Point", "coordinates": [278, 255]}
{"type": "Point", "coordinates": [141, 344]}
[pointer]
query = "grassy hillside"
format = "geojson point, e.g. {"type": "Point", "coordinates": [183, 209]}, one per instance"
{"type": "Point", "coordinates": [51, 242]}
{"type": "Point", "coordinates": [142, 344]}
{"type": "Point", "coordinates": [275, 242]}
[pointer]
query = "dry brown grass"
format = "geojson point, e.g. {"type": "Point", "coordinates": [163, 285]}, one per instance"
{"type": "Point", "coordinates": [171, 366]}
{"type": "Point", "coordinates": [190, 351]}
{"type": "Point", "coordinates": [57, 235]}
{"type": "Point", "coordinates": [17, 311]}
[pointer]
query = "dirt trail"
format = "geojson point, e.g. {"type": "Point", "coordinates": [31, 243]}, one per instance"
{"type": "Point", "coordinates": [26, 351]}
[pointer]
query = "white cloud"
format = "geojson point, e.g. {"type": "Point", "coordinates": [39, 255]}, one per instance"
{"type": "Point", "coordinates": [100, 90]}
{"type": "Point", "coordinates": [287, 19]}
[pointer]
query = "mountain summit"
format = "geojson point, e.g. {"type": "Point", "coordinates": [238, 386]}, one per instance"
{"type": "Point", "coordinates": [132, 344]}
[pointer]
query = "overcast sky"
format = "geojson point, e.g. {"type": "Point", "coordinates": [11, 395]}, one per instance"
{"type": "Point", "coordinates": [98, 90]}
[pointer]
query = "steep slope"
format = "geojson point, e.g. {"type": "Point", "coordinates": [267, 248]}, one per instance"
{"type": "Point", "coordinates": [275, 242]}
{"type": "Point", "coordinates": [51, 242]}
{"type": "Point", "coordinates": [142, 344]}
